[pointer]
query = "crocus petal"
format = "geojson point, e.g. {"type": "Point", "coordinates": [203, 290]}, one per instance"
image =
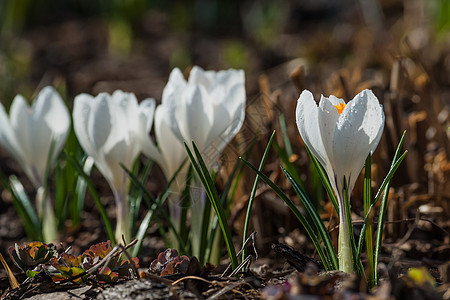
{"type": "Point", "coordinates": [198, 76]}
{"type": "Point", "coordinates": [146, 114]}
{"type": "Point", "coordinates": [175, 84]}
{"type": "Point", "coordinates": [7, 138]}
{"type": "Point", "coordinates": [81, 113]}
{"type": "Point", "coordinates": [173, 150]}
{"type": "Point", "coordinates": [195, 114]}
{"type": "Point", "coordinates": [49, 108]}
{"type": "Point", "coordinates": [33, 137]}
{"type": "Point", "coordinates": [308, 125]}
{"type": "Point", "coordinates": [171, 95]}
{"type": "Point", "coordinates": [146, 117]}
{"type": "Point", "coordinates": [20, 118]}
{"type": "Point", "coordinates": [327, 118]}
{"type": "Point", "coordinates": [358, 132]}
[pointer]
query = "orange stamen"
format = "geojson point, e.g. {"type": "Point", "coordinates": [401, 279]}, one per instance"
{"type": "Point", "coordinates": [340, 107]}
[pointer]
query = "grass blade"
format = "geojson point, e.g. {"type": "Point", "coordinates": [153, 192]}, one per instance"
{"type": "Point", "coordinates": [382, 215]}
{"type": "Point", "coordinates": [25, 209]}
{"type": "Point", "coordinates": [326, 183]}
{"type": "Point", "coordinates": [202, 171]}
{"type": "Point", "coordinates": [297, 213]}
{"type": "Point", "coordinates": [154, 204]}
{"type": "Point", "coordinates": [98, 203]}
{"type": "Point", "coordinates": [368, 229]}
{"type": "Point", "coordinates": [252, 195]}
{"type": "Point", "coordinates": [228, 192]}
{"type": "Point", "coordinates": [285, 136]}
{"type": "Point", "coordinates": [374, 202]}
{"type": "Point", "coordinates": [80, 191]}
{"type": "Point", "coordinates": [142, 232]}
{"type": "Point", "coordinates": [314, 215]}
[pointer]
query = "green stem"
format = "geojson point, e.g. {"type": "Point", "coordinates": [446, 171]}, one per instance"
{"type": "Point", "coordinates": [369, 230]}
{"type": "Point", "coordinates": [123, 226]}
{"type": "Point", "coordinates": [345, 250]}
{"type": "Point", "coordinates": [47, 216]}
{"type": "Point", "coordinates": [175, 208]}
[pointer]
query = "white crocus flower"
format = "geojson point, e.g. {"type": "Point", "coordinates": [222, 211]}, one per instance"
{"type": "Point", "coordinates": [341, 136]}
{"type": "Point", "coordinates": [29, 134]}
{"type": "Point", "coordinates": [209, 109]}
{"type": "Point", "coordinates": [111, 129]}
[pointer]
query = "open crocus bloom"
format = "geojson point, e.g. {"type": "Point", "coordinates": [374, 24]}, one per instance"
{"type": "Point", "coordinates": [111, 129]}
{"type": "Point", "coordinates": [29, 133]}
{"type": "Point", "coordinates": [341, 136]}
{"type": "Point", "coordinates": [209, 109]}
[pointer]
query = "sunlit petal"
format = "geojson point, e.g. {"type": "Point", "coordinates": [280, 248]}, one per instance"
{"type": "Point", "coordinates": [195, 115]}
{"type": "Point", "coordinates": [30, 132]}
{"type": "Point", "coordinates": [307, 115]}
{"type": "Point", "coordinates": [172, 149]}
{"type": "Point", "coordinates": [81, 113]}
{"type": "Point", "coordinates": [7, 137]}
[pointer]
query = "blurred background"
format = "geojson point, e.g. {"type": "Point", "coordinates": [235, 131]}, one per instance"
{"type": "Point", "coordinates": [398, 48]}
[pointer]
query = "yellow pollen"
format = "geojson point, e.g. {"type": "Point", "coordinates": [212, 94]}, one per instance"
{"type": "Point", "coordinates": [340, 107]}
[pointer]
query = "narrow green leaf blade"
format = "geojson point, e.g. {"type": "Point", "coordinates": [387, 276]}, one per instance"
{"type": "Point", "coordinates": [297, 213]}
{"type": "Point", "coordinates": [253, 194]}
{"type": "Point", "coordinates": [314, 215]}
{"type": "Point", "coordinates": [326, 183]}
{"type": "Point", "coordinates": [211, 191]}
{"type": "Point", "coordinates": [94, 194]}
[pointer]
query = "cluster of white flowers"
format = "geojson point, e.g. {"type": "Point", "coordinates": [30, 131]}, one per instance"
{"type": "Point", "coordinates": [208, 108]}
{"type": "Point", "coordinates": [114, 129]}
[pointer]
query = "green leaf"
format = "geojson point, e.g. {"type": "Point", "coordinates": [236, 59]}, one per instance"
{"type": "Point", "coordinates": [314, 215]}
{"type": "Point", "coordinates": [99, 204]}
{"type": "Point", "coordinates": [297, 213]}
{"type": "Point", "coordinates": [285, 135]}
{"type": "Point", "coordinates": [228, 194]}
{"type": "Point", "coordinates": [25, 209]}
{"type": "Point", "coordinates": [348, 214]}
{"type": "Point", "coordinates": [324, 178]}
{"type": "Point", "coordinates": [203, 173]}
{"type": "Point", "coordinates": [80, 190]}
{"type": "Point", "coordinates": [154, 206]}
{"type": "Point", "coordinates": [31, 274]}
{"type": "Point", "coordinates": [367, 203]}
{"type": "Point", "coordinates": [386, 186]}
{"type": "Point", "coordinates": [253, 194]}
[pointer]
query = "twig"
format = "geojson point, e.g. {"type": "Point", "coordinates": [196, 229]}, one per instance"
{"type": "Point", "coordinates": [251, 237]}
{"type": "Point", "coordinates": [191, 277]}
{"type": "Point", "coordinates": [227, 288]}
{"type": "Point", "coordinates": [410, 230]}
{"type": "Point", "coordinates": [246, 263]}
{"type": "Point", "coordinates": [166, 281]}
